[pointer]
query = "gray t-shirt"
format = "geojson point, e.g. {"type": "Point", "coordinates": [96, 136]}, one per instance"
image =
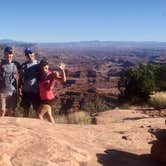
{"type": "Point", "coordinates": [8, 73]}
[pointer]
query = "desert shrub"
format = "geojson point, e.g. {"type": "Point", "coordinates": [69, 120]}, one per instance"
{"type": "Point", "coordinates": [158, 100]}
{"type": "Point", "coordinates": [161, 78]}
{"type": "Point", "coordinates": [80, 117]}
{"type": "Point", "coordinates": [138, 81]}
{"type": "Point", "coordinates": [142, 81]}
{"type": "Point", "coordinates": [61, 119]}
{"type": "Point", "coordinates": [94, 104]}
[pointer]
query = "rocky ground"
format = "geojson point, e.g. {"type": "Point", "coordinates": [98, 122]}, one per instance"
{"type": "Point", "coordinates": [120, 138]}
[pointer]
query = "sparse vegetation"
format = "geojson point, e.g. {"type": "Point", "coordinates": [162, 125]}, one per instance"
{"type": "Point", "coordinates": [80, 117]}
{"type": "Point", "coordinates": [158, 100]}
{"type": "Point", "coordinates": [94, 104]}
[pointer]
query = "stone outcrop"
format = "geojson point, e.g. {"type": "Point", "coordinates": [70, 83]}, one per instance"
{"type": "Point", "coordinates": [121, 140]}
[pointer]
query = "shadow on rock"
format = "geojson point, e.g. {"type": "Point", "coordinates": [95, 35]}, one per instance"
{"type": "Point", "coordinates": [114, 157]}
{"type": "Point", "coordinates": [158, 149]}
{"type": "Point", "coordinates": [136, 118]}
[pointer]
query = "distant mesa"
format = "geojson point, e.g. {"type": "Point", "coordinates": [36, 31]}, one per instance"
{"type": "Point", "coordinates": [93, 43]}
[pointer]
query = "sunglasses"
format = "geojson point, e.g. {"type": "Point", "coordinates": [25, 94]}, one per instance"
{"type": "Point", "coordinates": [9, 52]}
{"type": "Point", "coordinates": [28, 53]}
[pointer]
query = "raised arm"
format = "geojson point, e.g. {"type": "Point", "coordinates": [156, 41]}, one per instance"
{"type": "Point", "coordinates": [61, 77]}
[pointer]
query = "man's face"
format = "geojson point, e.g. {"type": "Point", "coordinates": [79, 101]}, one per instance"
{"type": "Point", "coordinates": [31, 57]}
{"type": "Point", "coordinates": [9, 56]}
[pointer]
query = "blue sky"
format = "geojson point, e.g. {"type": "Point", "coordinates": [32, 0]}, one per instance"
{"type": "Point", "coordinates": [83, 20]}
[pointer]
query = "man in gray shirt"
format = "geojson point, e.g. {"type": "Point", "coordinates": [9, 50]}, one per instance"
{"type": "Point", "coordinates": [8, 83]}
{"type": "Point", "coordinates": [28, 86]}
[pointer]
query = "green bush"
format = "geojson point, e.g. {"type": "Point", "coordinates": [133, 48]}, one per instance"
{"type": "Point", "coordinates": [142, 81]}
{"type": "Point", "coordinates": [138, 81]}
{"type": "Point", "coordinates": [158, 100]}
{"type": "Point", "coordinates": [161, 78]}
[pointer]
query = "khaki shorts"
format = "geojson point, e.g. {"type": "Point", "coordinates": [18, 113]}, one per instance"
{"type": "Point", "coordinates": [8, 100]}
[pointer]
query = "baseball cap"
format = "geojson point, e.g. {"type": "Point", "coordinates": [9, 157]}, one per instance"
{"type": "Point", "coordinates": [8, 50]}
{"type": "Point", "coordinates": [28, 51]}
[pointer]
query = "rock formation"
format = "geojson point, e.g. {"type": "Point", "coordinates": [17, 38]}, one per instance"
{"type": "Point", "coordinates": [121, 140]}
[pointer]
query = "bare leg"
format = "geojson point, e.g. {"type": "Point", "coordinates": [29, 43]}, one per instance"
{"type": "Point", "coordinates": [46, 109]}
{"type": "Point", "coordinates": [43, 109]}
{"type": "Point", "coordinates": [50, 115]}
{"type": "Point", "coordinates": [3, 113]}
{"type": "Point", "coordinates": [3, 105]}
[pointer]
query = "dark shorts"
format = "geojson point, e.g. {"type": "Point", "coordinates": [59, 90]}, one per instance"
{"type": "Point", "coordinates": [48, 102]}
{"type": "Point", "coordinates": [29, 99]}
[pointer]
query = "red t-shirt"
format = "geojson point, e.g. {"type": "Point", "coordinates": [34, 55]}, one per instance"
{"type": "Point", "coordinates": [46, 87]}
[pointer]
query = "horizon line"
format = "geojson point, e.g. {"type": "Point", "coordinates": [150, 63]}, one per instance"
{"type": "Point", "coordinates": [79, 41]}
